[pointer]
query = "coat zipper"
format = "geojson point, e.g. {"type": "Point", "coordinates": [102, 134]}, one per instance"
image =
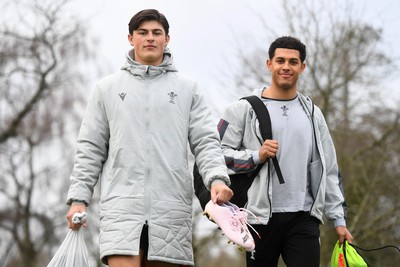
{"type": "Point", "coordinates": [318, 151]}
{"type": "Point", "coordinates": [147, 156]}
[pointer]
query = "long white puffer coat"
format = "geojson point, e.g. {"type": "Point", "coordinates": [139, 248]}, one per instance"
{"type": "Point", "coordinates": [134, 138]}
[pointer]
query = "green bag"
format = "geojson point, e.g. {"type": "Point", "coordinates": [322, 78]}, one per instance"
{"type": "Point", "coordinates": [346, 256]}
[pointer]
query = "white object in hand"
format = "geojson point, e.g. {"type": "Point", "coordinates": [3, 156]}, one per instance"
{"type": "Point", "coordinates": [79, 218]}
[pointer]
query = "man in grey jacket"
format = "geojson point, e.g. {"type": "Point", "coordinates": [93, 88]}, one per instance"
{"type": "Point", "coordinates": [133, 140]}
{"type": "Point", "coordinates": [289, 212]}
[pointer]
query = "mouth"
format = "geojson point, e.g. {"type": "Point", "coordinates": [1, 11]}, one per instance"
{"type": "Point", "coordinates": [150, 46]}
{"type": "Point", "coordinates": [285, 75]}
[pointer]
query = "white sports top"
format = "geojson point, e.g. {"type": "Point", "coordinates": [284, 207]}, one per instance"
{"type": "Point", "coordinates": [292, 129]}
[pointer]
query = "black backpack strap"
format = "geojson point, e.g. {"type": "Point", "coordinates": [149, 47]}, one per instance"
{"type": "Point", "coordinates": [265, 127]}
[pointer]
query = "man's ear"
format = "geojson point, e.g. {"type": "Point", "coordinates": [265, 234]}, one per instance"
{"type": "Point", "coordinates": [268, 63]}
{"type": "Point", "coordinates": [130, 39]}
{"type": "Point", "coordinates": [303, 67]}
{"type": "Point", "coordinates": [167, 38]}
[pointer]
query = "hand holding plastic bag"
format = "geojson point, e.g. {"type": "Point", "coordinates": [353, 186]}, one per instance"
{"type": "Point", "coordinates": [73, 251]}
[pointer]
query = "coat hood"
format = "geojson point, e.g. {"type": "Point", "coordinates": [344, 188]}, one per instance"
{"type": "Point", "coordinates": [137, 69]}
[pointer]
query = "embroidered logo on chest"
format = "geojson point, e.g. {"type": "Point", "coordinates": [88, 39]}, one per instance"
{"type": "Point", "coordinates": [285, 110]}
{"type": "Point", "coordinates": [122, 96]}
{"type": "Point", "coordinates": [172, 97]}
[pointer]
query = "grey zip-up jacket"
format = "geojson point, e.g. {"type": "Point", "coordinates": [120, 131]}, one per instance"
{"type": "Point", "coordinates": [134, 140]}
{"type": "Point", "coordinates": [240, 138]}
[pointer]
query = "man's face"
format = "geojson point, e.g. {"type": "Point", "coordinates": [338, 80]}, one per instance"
{"type": "Point", "coordinates": [149, 41]}
{"type": "Point", "coordinates": [285, 68]}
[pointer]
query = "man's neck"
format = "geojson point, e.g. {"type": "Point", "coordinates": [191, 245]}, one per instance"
{"type": "Point", "coordinates": [279, 93]}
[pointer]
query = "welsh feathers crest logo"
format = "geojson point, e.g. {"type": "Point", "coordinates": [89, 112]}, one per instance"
{"type": "Point", "coordinates": [172, 97]}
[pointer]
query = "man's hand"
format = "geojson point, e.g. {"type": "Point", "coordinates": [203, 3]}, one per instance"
{"type": "Point", "coordinates": [221, 192]}
{"type": "Point", "coordinates": [75, 208]}
{"type": "Point", "coordinates": [344, 234]}
{"type": "Point", "coordinates": [268, 149]}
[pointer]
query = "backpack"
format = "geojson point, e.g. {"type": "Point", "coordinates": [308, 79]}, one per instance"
{"type": "Point", "coordinates": [241, 182]}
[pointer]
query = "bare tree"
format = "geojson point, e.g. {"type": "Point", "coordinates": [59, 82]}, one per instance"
{"type": "Point", "coordinates": [42, 51]}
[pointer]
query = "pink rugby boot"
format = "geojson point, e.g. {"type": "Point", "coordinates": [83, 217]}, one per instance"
{"type": "Point", "coordinates": [233, 222]}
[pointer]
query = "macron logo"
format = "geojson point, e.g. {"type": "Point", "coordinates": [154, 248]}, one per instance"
{"type": "Point", "coordinates": [122, 96]}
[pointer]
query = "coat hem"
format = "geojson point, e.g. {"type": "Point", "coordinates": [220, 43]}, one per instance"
{"type": "Point", "coordinates": [171, 260]}
{"type": "Point", "coordinates": [107, 253]}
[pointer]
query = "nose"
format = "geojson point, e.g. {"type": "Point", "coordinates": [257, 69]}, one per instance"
{"type": "Point", "coordinates": [150, 37]}
{"type": "Point", "coordinates": [286, 65]}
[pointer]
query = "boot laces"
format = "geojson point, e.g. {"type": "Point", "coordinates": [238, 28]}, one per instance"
{"type": "Point", "coordinates": [240, 215]}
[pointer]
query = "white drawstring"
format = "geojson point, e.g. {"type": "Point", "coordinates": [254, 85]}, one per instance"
{"type": "Point", "coordinates": [241, 214]}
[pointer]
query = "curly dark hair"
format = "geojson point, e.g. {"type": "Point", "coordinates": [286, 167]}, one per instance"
{"type": "Point", "coordinates": [148, 15]}
{"type": "Point", "coordinates": [289, 43]}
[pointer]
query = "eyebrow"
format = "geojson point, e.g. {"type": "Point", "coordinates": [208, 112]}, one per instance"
{"type": "Point", "coordinates": [290, 59]}
{"type": "Point", "coordinates": [144, 29]}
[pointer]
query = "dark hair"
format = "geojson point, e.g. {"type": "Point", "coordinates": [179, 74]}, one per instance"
{"type": "Point", "coordinates": [148, 15]}
{"type": "Point", "coordinates": [289, 43]}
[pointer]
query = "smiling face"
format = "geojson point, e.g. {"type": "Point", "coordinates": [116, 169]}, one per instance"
{"type": "Point", "coordinates": [149, 41]}
{"type": "Point", "coordinates": [285, 68]}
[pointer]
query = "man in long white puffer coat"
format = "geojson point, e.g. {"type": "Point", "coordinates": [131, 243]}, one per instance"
{"type": "Point", "coordinates": [133, 139]}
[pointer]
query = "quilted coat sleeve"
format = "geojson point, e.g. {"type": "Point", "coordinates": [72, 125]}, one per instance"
{"type": "Point", "coordinates": [92, 150]}
{"type": "Point", "coordinates": [205, 143]}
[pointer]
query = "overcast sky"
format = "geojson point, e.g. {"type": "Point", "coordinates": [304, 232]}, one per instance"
{"type": "Point", "coordinates": [202, 32]}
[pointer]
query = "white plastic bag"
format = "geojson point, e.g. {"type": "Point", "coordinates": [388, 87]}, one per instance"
{"type": "Point", "coordinates": [73, 251]}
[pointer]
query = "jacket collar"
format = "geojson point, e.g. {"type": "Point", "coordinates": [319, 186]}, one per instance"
{"type": "Point", "coordinates": [137, 69]}
{"type": "Point", "coordinates": [305, 101]}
